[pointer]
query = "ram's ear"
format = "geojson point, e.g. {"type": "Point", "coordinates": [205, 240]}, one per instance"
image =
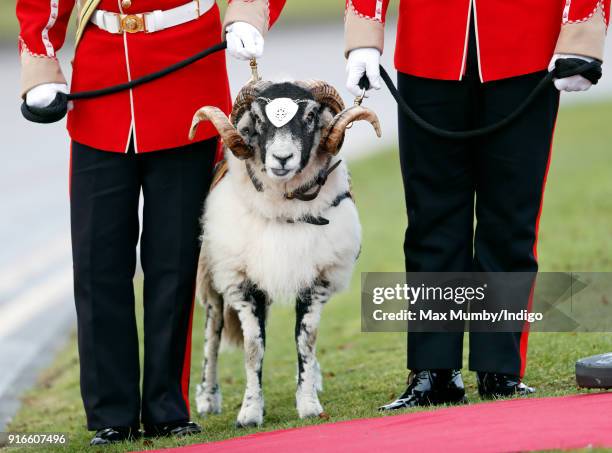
{"type": "Point", "coordinates": [245, 125]}
{"type": "Point", "coordinates": [326, 116]}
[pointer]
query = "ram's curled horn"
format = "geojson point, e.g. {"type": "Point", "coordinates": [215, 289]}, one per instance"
{"type": "Point", "coordinates": [229, 134]}
{"type": "Point", "coordinates": [334, 135]}
{"type": "Point", "coordinates": [245, 98]}
{"type": "Point", "coordinates": [325, 94]}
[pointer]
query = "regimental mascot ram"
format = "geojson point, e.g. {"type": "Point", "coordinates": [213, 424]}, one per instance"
{"type": "Point", "coordinates": [279, 224]}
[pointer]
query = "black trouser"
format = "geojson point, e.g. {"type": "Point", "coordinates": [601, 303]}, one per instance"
{"type": "Point", "coordinates": [105, 191]}
{"type": "Point", "coordinates": [499, 177]}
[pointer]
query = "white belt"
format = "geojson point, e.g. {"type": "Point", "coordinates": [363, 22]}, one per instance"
{"type": "Point", "coordinates": [150, 22]}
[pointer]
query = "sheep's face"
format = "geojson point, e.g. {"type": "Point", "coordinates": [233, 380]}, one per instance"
{"type": "Point", "coordinates": [283, 127]}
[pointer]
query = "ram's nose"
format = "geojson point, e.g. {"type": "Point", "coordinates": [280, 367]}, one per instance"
{"type": "Point", "coordinates": [282, 159]}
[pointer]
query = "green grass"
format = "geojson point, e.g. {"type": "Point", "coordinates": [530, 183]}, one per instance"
{"type": "Point", "coordinates": [363, 370]}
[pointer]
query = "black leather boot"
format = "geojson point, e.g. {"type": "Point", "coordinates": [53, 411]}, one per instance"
{"type": "Point", "coordinates": [177, 429]}
{"type": "Point", "coordinates": [113, 435]}
{"type": "Point", "coordinates": [498, 385]}
{"type": "Point", "coordinates": [430, 387]}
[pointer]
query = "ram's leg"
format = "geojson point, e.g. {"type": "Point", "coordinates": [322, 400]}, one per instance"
{"type": "Point", "coordinates": [309, 305]}
{"type": "Point", "coordinates": [252, 313]}
{"type": "Point", "coordinates": [208, 393]}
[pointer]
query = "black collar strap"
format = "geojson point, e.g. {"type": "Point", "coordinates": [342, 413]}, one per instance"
{"type": "Point", "coordinates": [320, 220]}
{"type": "Point", "coordinates": [301, 193]}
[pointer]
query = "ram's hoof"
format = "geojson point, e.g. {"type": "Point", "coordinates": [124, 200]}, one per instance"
{"type": "Point", "coordinates": [309, 406]}
{"type": "Point", "coordinates": [243, 425]}
{"type": "Point", "coordinates": [250, 416]}
{"type": "Point", "coordinates": [207, 402]}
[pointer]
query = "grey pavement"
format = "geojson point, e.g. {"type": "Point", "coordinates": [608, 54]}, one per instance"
{"type": "Point", "coordinates": [36, 306]}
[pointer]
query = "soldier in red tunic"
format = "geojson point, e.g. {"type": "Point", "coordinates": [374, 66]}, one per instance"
{"type": "Point", "coordinates": [123, 144]}
{"type": "Point", "coordinates": [464, 64]}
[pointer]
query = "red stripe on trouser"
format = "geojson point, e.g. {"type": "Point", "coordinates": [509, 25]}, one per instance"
{"type": "Point", "coordinates": [187, 359]}
{"type": "Point", "coordinates": [525, 333]}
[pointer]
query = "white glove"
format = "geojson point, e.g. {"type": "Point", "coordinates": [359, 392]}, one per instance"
{"type": "Point", "coordinates": [244, 41]}
{"type": "Point", "coordinates": [362, 61]}
{"type": "Point", "coordinates": [42, 96]}
{"type": "Point", "coordinates": [573, 83]}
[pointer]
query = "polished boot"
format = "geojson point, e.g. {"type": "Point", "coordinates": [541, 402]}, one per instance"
{"type": "Point", "coordinates": [498, 385]}
{"type": "Point", "coordinates": [178, 429]}
{"type": "Point", "coordinates": [430, 387]}
{"type": "Point", "coordinates": [113, 435]}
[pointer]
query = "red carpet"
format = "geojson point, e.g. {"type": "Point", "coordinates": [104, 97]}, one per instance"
{"type": "Point", "coordinates": [517, 425]}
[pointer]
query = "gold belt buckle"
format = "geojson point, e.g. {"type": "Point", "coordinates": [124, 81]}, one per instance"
{"type": "Point", "coordinates": [132, 23]}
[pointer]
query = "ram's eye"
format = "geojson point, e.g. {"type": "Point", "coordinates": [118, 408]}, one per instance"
{"type": "Point", "coordinates": [310, 118]}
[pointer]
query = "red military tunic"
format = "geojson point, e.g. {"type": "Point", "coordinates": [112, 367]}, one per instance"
{"type": "Point", "coordinates": [158, 114]}
{"type": "Point", "coordinates": [514, 37]}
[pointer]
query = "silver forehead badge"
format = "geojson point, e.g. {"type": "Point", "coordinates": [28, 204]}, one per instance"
{"type": "Point", "coordinates": [281, 110]}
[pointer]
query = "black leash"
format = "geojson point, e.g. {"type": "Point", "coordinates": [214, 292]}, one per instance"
{"type": "Point", "coordinates": [149, 77]}
{"type": "Point", "coordinates": [565, 67]}
{"type": "Point", "coordinates": [59, 107]}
